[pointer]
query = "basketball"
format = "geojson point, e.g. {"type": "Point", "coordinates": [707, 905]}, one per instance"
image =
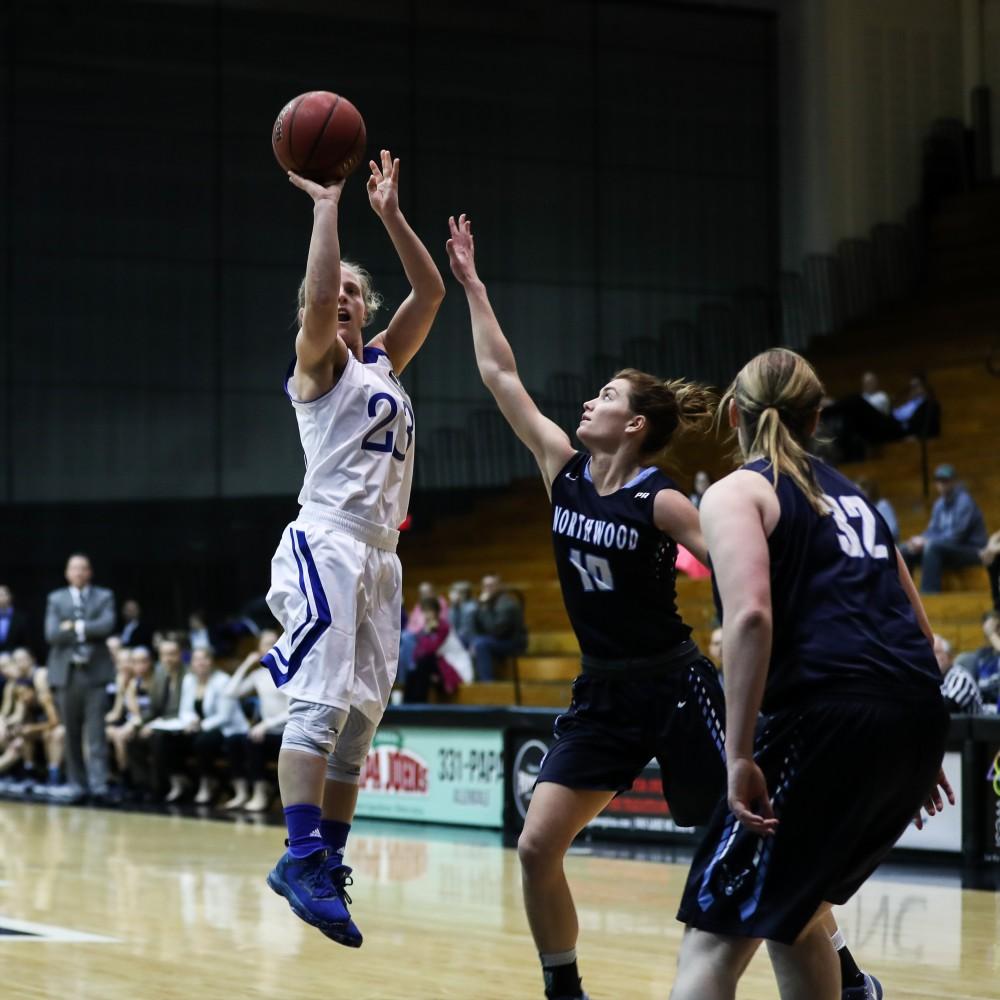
{"type": "Point", "coordinates": [320, 136]}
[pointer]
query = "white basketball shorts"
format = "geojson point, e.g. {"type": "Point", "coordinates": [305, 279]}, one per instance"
{"type": "Point", "coordinates": [338, 598]}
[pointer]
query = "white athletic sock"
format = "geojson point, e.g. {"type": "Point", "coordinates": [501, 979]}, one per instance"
{"type": "Point", "coordinates": [556, 958]}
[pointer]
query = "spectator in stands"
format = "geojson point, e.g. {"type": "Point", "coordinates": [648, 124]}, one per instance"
{"type": "Point", "coordinates": [415, 625]}
{"type": "Point", "coordinates": [715, 648]}
{"type": "Point", "coordinates": [990, 556]}
{"type": "Point", "coordinates": [874, 396]}
{"type": "Point", "coordinates": [164, 705]}
{"type": "Point", "coordinates": [702, 481]}
{"type": "Point", "coordinates": [13, 624]}
{"type": "Point", "coordinates": [135, 632]}
{"type": "Point", "coordinates": [430, 668]}
{"type": "Point", "coordinates": [78, 618]}
{"type": "Point", "coordinates": [954, 537]}
{"type": "Point", "coordinates": [198, 636]}
{"type": "Point", "coordinates": [7, 678]}
{"type": "Point", "coordinates": [499, 630]}
{"type": "Point", "coordinates": [207, 715]}
{"type": "Point", "coordinates": [249, 753]}
{"type": "Point", "coordinates": [874, 496]}
{"type": "Point", "coordinates": [133, 706]}
{"type": "Point", "coordinates": [853, 422]}
{"type": "Point", "coordinates": [462, 611]}
{"type": "Point", "coordinates": [30, 733]}
{"type": "Point", "coordinates": [984, 663]}
{"type": "Point", "coordinates": [958, 687]}
{"type": "Point", "coordinates": [919, 415]}
{"type": "Point", "coordinates": [116, 689]}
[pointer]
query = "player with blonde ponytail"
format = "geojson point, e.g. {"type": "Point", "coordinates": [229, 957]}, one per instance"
{"type": "Point", "coordinates": [825, 635]}
{"type": "Point", "coordinates": [645, 690]}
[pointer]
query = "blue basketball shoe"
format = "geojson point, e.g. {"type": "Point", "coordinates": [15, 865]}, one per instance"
{"type": "Point", "coordinates": [871, 990]}
{"type": "Point", "coordinates": [340, 877]}
{"type": "Point", "coordinates": [305, 883]}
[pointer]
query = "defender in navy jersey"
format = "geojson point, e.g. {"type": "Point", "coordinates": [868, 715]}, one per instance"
{"type": "Point", "coordinates": [645, 690]}
{"type": "Point", "coordinates": [823, 632]}
{"type": "Point", "coordinates": [336, 584]}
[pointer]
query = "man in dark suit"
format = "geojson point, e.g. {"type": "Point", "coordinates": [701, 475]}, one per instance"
{"type": "Point", "coordinates": [13, 625]}
{"type": "Point", "coordinates": [78, 620]}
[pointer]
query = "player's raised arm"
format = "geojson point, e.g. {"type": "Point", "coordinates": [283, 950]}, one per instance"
{"type": "Point", "coordinates": [412, 321]}
{"type": "Point", "coordinates": [320, 355]}
{"type": "Point", "coordinates": [545, 439]}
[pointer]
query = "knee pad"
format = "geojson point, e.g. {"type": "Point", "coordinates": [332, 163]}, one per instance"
{"type": "Point", "coordinates": [351, 750]}
{"type": "Point", "coordinates": [312, 728]}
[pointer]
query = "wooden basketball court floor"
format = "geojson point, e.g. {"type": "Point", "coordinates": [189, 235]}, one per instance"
{"type": "Point", "coordinates": [102, 905]}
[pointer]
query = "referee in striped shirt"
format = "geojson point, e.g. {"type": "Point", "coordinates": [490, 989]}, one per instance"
{"type": "Point", "coordinates": [959, 687]}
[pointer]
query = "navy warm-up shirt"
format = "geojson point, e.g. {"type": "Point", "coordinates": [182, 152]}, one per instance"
{"type": "Point", "coordinates": [842, 623]}
{"type": "Point", "coordinates": [616, 569]}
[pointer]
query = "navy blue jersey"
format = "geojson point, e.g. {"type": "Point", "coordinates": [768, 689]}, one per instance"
{"type": "Point", "coordinates": [842, 621]}
{"type": "Point", "coordinates": [616, 568]}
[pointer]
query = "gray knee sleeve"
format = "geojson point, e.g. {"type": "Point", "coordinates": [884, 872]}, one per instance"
{"type": "Point", "coordinates": [312, 728]}
{"type": "Point", "coordinates": [351, 749]}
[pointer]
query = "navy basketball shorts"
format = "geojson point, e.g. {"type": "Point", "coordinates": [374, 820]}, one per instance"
{"type": "Point", "coordinates": [615, 725]}
{"type": "Point", "coordinates": [845, 778]}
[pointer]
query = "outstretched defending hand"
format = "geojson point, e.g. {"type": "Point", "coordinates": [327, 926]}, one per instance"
{"type": "Point", "coordinates": [383, 185]}
{"type": "Point", "coordinates": [934, 803]}
{"type": "Point", "coordinates": [318, 192]}
{"type": "Point", "coordinates": [462, 250]}
{"type": "Point", "coordinates": [747, 792]}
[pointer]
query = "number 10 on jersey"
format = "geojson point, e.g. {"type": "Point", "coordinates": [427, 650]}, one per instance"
{"type": "Point", "coordinates": [595, 572]}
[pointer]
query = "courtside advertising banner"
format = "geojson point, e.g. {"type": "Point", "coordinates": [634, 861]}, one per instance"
{"type": "Point", "coordinates": [638, 813]}
{"type": "Point", "coordinates": [942, 832]}
{"type": "Point", "coordinates": [991, 790]}
{"type": "Point", "coordinates": [434, 775]}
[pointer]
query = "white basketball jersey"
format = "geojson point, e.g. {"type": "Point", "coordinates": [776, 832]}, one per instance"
{"type": "Point", "coordinates": [358, 442]}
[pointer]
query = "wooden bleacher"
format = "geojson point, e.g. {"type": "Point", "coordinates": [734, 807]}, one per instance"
{"type": "Point", "coordinates": [947, 331]}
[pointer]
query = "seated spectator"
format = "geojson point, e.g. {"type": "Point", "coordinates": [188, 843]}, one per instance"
{"type": "Point", "coordinates": [873, 395]}
{"type": "Point", "coordinates": [133, 710]}
{"type": "Point", "coordinates": [873, 494]}
{"type": "Point", "coordinates": [990, 557]}
{"type": "Point", "coordinates": [954, 537]}
{"type": "Point", "coordinates": [13, 624]}
{"type": "Point", "coordinates": [198, 636]}
{"type": "Point", "coordinates": [164, 705]}
{"type": "Point", "coordinates": [31, 734]}
{"type": "Point", "coordinates": [430, 668]}
{"type": "Point", "coordinates": [702, 481]}
{"type": "Point", "coordinates": [206, 716]}
{"type": "Point", "coordinates": [249, 753]}
{"type": "Point", "coordinates": [984, 663]}
{"type": "Point", "coordinates": [499, 629]}
{"type": "Point", "coordinates": [415, 625]}
{"type": "Point", "coordinates": [958, 687]}
{"type": "Point", "coordinates": [135, 632]}
{"type": "Point", "coordinates": [715, 648]}
{"type": "Point", "coordinates": [919, 415]}
{"type": "Point", "coordinates": [462, 611]}
{"type": "Point", "coordinates": [8, 674]}
{"type": "Point", "coordinates": [854, 423]}
{"type": "Point", "coordinates": [115, 715]}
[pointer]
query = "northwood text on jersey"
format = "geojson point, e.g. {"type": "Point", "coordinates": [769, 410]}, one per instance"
{"type": "Point", "coordinates": [607, 534]}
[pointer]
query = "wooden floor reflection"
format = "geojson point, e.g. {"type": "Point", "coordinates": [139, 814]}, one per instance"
{"type": "Point", "coordinates": [179, 909]}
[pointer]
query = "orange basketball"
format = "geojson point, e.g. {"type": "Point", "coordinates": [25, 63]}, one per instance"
{"type": "Point", "coordinates": [320, 136]}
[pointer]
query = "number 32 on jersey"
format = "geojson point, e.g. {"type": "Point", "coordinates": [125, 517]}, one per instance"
{"type": "Point", "coordinates": [849, 508]}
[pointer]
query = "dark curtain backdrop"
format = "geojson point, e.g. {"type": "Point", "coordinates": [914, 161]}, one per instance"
{"type": "Point", "coordinates": [617, 159]}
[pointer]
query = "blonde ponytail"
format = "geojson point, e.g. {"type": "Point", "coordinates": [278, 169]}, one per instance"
{"type": "Point", "coordinates": [777, 394]}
